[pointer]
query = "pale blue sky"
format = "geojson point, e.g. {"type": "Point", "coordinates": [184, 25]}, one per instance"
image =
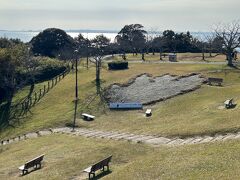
{"type": "Point", "coordinates": [179, 15]}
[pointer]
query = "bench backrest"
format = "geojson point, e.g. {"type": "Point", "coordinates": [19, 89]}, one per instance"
{"type": "Point", "coordinates": [101, 163]}
{"type": "Point", "coordinates": [88, 115]}
{"type": "Point", "coordinates": [33, 162]}
{"type": "Point", "coordinates": [148, 111]}
{"type": "Point", "coordinates": [215, 79]}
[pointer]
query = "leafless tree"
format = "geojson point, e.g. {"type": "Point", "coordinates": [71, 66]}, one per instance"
{"type": "Point", "coordinates": [210, 38]}
{"type": "Point", "coordinates": [230, 34]}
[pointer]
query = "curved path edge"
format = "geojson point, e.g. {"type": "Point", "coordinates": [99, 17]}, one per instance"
{"type": "Point", "coordinates": [134, 138]}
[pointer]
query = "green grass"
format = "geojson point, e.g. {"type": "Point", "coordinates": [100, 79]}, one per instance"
{"type": "Point", "coordinates": [196, 57]}
{"type": "Point", "coordinates": [66, 157]}
{"type": "Point", "coordinates": [186, 115]}
{"type": "Point", "coordinates": [23, 93]}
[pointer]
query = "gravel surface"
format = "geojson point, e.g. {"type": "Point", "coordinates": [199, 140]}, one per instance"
{"type": "Point", "coordinates": [147, 90]}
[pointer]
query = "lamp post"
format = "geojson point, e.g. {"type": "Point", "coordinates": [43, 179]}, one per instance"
{"type": "Point", "coordinates": [76, 89]}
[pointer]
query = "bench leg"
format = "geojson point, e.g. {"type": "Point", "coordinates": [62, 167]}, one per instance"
{"type": "Point", "coordinates": [25, 171]}
{"type": "Point", "coordinates": [89, 175]}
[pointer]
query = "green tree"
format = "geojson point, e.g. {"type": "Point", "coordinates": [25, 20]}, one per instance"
{"type": "Point", "coordinates": [53, 42]}
{"type": "Point", "coordinates": [132, 38]}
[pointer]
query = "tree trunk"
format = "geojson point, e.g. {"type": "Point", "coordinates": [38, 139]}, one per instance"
{"type": "Point", "coordinates": [160, 55]}
{"type": "Point", "coordinates": [87, 61]}
{"type": "Point", "coordinates": [203, 56]}
{"type": "Point", "coordinates": [143, 56]}
{"type": "Point", "coordinates": [97, 71]}
{"type": "Point", "coordinates": [229, 58]}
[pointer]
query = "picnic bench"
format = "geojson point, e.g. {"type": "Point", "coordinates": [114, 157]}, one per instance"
{"type": "Point", "coordinates": [98, 166]}
{"type": "Point", "coordinates": [34, 163]}
{"type": "Point", "coordinates": [148, 112]}
{"type": "Point", "coordinates": [229, 103]}
{"type": "Point", "coordinates": [218, 81]}
{"type": "Point", "coordinates": [88, 116]}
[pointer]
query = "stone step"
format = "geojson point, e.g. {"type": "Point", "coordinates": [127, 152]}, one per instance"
{"type": "Point", "coordinates": [175, 142]}
{"type": "Point", "coordinates": [157, 141]}
{"type": "Point", "coordinates": [187, 141]}
{"type": "Point", "coordinates": [206, 139]}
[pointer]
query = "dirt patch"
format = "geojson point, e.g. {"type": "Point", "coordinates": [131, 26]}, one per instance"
{"type": "Point", "coordinates": [148, 90]}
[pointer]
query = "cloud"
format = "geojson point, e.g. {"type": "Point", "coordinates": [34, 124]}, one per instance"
{"type": "Point", "coordinates": [113, 14]}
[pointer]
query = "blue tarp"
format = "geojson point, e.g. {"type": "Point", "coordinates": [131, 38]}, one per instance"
{"type": "Point", "coordinates": [125, 106]}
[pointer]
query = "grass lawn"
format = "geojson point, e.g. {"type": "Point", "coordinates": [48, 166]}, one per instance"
{"type": "Point", "coordinates": [66, 156]}
{"type": "Point", "coordinates": [197, 57]}
{"type": "Point", "coordinates": [186, 115]}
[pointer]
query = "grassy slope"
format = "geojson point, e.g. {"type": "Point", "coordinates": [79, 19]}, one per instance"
{"type": "Point", "coordinates": [66, 157]}
{"type": "Point", "coordinates": [193, 113]}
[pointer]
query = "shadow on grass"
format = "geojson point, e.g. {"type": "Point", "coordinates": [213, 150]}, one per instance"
{"type": "Point", "coordinates": [102, 174]}
{"type": "Point", "coordinates": [232, 106]}
{"type": "Point", "coordinates": [11, 113]}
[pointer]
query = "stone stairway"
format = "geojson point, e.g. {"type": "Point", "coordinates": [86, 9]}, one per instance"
{"type": "Point", "coordinates": [119, 136]}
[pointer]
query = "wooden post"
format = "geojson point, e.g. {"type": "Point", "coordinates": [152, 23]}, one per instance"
{"type": "Point", "coordinates": [44, 89]}
{"type": "Point", "coordinates": [48, 86]}
{"type": "Point", "coordinates": [35, 97]}
{"type": "Point", "coordinates": [56, 81]}
{"type": "Point", "coordinates": [52, 83]}
{"type": "Point", "coordinates": [40, 94]}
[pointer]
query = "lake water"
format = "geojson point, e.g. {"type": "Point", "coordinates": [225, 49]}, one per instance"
{"type": "Point", "coordinates": [26, 36]}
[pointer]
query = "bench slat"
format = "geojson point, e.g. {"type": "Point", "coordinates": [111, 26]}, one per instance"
{"type": "Point", "coordinates": [88, 116]}
{"type": "Point", "coordinates": [88, 170]}
{"type": "Point", "coordinates": [32, 163]}
{"type": "Point", "coordinates": [98, 165]}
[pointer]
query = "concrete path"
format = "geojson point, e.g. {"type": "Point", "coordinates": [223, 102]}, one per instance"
{"type": "Point", "coordinates": [134, 138]}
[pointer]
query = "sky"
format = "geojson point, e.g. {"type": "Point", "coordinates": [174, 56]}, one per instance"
{"type": "Point", "coordinates": [178, 15]}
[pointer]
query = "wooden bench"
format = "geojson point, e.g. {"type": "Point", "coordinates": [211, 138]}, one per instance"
{"type": "Point", "coordinates": [88, 116]}
{"type": "Point", "coordinates": [36, 163]}
{"type": "Point", "coordinates": [229, 103]}
{"type": "Point", "coordinates": [219, 81]}
{"type": "Point", "coordinates": [148, 112]}
{"type": "Point", "coordinates": [97, 166]}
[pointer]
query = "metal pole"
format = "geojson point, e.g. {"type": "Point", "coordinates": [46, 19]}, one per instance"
{"type": "Point", "coordinates": [76, 91]}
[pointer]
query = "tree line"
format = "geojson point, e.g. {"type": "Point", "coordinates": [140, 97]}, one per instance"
{"type": "Point", "coordinates": [21, 58]}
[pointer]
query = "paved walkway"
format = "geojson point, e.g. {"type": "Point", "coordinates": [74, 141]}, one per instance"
{"type": "Point", "coordinates": [134, 138]}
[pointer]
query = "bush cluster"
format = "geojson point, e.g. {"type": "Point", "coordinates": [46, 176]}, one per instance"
{"type": "Point", "coordinates": [118, 65]}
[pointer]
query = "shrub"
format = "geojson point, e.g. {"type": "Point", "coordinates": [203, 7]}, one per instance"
{"type": "Point", "coordinates": [46, 68]}
{"type": "Point", "coordinates": [118, 65]}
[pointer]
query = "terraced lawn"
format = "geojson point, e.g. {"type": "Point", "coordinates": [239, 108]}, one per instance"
{"type": "Point", "coordinates": [186, 115]}
{"type": "Point", "coordinates": [66, 156]}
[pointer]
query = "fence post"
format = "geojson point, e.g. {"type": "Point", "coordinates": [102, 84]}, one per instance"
{"type": "Point", "coordinates": [35, 97]}
{"type": "Point", "coordinates": [44, 89]}
{"type": "Point", "coordinates": [40, 94]}
{"type": "Point", "coordinates": [56, 81]}
{"type": "Point", "coordinates": [48, 86]}
{"type": "Point", "coordinates": [52, 83]}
